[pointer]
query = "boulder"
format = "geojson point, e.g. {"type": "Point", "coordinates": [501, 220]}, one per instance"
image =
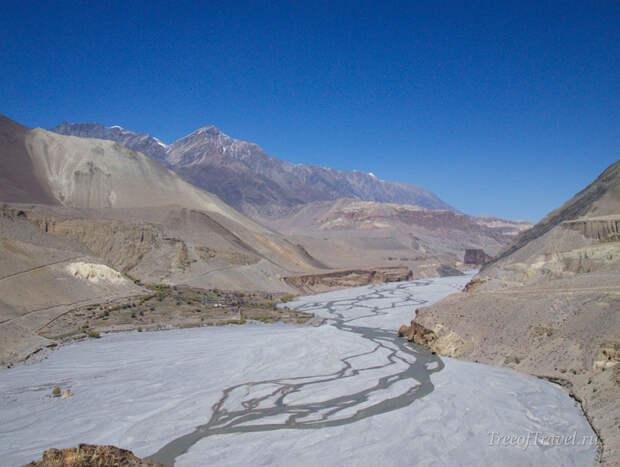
{"type": "Point", "coordinates": [403, 331]}
{"type": "Point", "coordinates": [90, 455]}
{"type": "Point", "coordinates": [420, 335]}
{"type": "Point", "coordinates": [476, 257]}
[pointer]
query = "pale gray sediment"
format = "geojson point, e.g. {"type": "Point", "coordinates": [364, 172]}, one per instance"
{"type": "Point", "coordinates": [345, 392]}
{"type": "Point", "coordinates": [224, 422]}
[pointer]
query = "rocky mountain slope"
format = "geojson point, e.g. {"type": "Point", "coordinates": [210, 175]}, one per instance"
{"type": "Point", "coordinates": [41, 277]}
{"type": "Point", "coordinates": [79, 212]}
{"type": "Point", "coordinates": [426, 230]}
{"type": "Point", "coordinates": [248, 179]}
{"type": "Point", "coordinates": [549, 305]}
{"type": "Point", "coordinates": [94, 182]}
{"type": "Point", "coordinates": [18, 182]}
{"type": "Point", "coordinates": [362, 234]}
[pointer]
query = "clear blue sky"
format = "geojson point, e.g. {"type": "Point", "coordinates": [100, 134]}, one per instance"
{"type": "Point", "coordinates": [504, 108]}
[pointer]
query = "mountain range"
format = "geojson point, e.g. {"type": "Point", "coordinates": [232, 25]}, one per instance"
{"type": "Point", "coordinates": [250, 180]}
{"type": "Point", "coordinates": [386, 218]}
{"type": "Point", "coordinates": [80, 216]}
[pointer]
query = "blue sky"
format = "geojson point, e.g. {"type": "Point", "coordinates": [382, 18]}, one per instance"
{"type": "Point", "coordinates": [503, 108]}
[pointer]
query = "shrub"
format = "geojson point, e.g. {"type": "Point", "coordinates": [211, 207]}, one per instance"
{"type": "Point", "coordinates": [94, 334]}
{"type": "Point", "coordinates": [56, 392]}
{"type": "Point", "coordinates": [136, 281]}
{"type": "Point", "coordinates": [229, 321]}
{"type": "Point", "coordinates": [149, 296]}
{"type": "Point", "coordinates": [190, 325]}
{"type": "Point", "coordinates": [287, 298]}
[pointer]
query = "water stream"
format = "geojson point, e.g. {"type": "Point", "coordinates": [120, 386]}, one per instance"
{"type": "Point", "coordinates": [417, 365]}
{"type": "Point", "coordinates": [346, 392]}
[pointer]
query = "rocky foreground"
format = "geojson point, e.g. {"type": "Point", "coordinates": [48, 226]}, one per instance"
{"type": "Point", "coordinates": [89, 455]}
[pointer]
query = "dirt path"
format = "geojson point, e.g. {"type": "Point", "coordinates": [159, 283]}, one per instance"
{"type": "Point", "coordinates": [38, 268]}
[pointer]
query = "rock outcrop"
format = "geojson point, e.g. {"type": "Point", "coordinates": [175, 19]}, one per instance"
{"type": "Point", "coordinates": [417, 333]}
{"type": "Point", "coordinates": [90, 455]}
{"type": "Point", "coordinates": [604, 228]}
{"type": "Point", "coordinates": [476, 257]}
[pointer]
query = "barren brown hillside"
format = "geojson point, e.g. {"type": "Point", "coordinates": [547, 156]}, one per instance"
{"type": "Point", "coordinates": [550, 306]}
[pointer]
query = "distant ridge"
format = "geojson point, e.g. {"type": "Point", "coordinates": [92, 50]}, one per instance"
{"type": "Point", "coordinates": [247, 178]}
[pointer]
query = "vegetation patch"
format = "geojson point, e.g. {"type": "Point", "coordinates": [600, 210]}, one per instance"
{"type": "Point", "coordinates": [166, 306]}
{"type": "Point", "coordinates": [66, 334]}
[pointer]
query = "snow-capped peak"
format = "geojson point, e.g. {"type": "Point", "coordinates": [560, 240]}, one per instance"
{"type": "Point", "coordinates": [158, 141]}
